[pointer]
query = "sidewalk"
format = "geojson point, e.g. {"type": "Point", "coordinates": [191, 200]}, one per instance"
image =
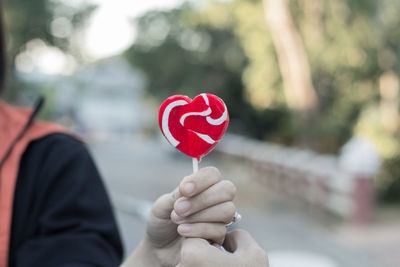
{"type": "Point", "coordinates": [136, 173]}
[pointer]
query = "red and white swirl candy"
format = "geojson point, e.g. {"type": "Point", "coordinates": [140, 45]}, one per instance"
{"type": "Point", "coordinates": [193, 126]}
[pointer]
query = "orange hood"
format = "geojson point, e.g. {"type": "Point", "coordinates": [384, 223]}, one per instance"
{"type": "Point", "coordinates": [17, 130]}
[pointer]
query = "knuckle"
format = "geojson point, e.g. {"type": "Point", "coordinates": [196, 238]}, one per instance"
{"type": "Point", "coordinates": [228, 211]}
{"type": "Point", "coordinates": [220, 230]}
{"type": "Point", "coordinates": [215, 231]}
{"type": "Point", "coordinates": [259, 254]}
{"type": "Point", "coordinates": [214, 172]}
{"type": "Point", "coordinates": [201, 202]}
{"type": "Point", "coordinates": [221, 233]}
{"type": "Point", "coordinates": [223, 230]}
{"type": "Point", "coordinates": [229, 189]}
{"type": "Point", "coordinates": [202, 230]}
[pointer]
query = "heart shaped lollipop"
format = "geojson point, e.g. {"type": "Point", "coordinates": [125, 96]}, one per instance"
{"type": "Point", "coordinates": [194, 127]}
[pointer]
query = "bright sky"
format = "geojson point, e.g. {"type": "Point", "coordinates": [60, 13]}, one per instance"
{"type": "Point", "coordinates": [110, 30]}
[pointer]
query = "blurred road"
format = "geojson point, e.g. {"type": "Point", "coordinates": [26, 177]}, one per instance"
{"type": "Point", "coordinates": [137, 171]}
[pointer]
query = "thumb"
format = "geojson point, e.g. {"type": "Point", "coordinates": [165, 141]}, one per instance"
{"type": "Point", "coordinates": [238, 241]}
{"type": "Point", "coordinates": [164, 205]}
{"type": "Point", "coordinates": [198, 252]}
{"type": "Point", "coordinates": [160, 229]}
{"type": "Point", "coordinates": [243, 246]}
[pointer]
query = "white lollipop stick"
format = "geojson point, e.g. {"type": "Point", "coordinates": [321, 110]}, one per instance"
{"type": "Point", "coordinates": [195, 165]}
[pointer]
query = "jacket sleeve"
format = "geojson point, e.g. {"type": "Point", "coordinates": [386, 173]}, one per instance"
{"type": "Point", "coordinates": [75, 223]}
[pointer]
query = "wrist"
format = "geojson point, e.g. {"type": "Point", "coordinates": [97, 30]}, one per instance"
{"type": "Point", "coordinates": [143, 256]}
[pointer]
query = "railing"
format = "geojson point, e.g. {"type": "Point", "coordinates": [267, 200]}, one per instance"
{"type": "Point", "coordinates": [302, 174]}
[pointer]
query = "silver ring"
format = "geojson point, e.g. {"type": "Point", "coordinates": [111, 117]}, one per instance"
{"type": "Point", "coordinates": [236, 218]}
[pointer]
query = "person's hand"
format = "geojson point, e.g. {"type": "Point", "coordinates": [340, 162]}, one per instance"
{"type": "Point", "coordinates": [199, 207]}
{"type": "Point", "coordinates": [242, 251]}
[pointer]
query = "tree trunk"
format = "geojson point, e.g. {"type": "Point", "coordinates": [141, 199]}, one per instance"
{"type": "Point", "coordinates": [314, 32]}
{"type": "Point", "coordinates": [293, 62]}
{"type": "Point", "coordinates": [389, 91]}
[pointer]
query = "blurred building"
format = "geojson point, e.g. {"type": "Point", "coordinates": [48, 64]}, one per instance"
{"type": "Point", "coordinates": [109, 100]}
{"type": "Point", "coordinates": [101, 100]}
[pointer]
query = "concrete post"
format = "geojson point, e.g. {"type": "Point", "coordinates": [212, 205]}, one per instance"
{"type": "Point", "coordinates": [364, 200]}
{"type": "Point", "coordinates": [360, 159]}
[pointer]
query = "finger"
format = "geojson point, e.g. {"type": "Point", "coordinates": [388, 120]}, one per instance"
{"type": "Point", "coordinates": [211, 231]}
{"type": "Point", "coordinates": [220, 213]}
{"type": "Point", "coordinates": [239, 240]}
{"type": "Point", "coordinates": [242, 244]}
{"type": "Point", "coordinates": [195, 250]}
{"type": "Point", "coordinates": [221, 192]}
{"type": "Point", "coordinates": [199, 181]}
{"type": "Point", "coordinates": [163, 206]}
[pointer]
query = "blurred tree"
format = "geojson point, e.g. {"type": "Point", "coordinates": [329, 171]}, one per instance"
{"type": "Point", "coordinates": [349, 48]}
{"type": "Point", "coordinates": [180, 55]}
{"type": "Point", "coordinates": [341, 43]}
{"type": "Point", "coordinates": [293, 60]}
{"type": "Point", "coordinates": [52, 21]}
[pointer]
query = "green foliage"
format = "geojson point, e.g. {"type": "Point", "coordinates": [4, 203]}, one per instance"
{"type": "Point", "coordinates": [389, 180]}
{"type": "Point", "coordinates": [30, 19]}
{"type": "Point", "coordinates": [182, 55]}
{"type": "Point", "coordinates": [226, 48]}
{"type": "Point", "coordinates": [26, 20]}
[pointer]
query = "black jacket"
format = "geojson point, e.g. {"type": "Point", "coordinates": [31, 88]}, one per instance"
{"type": "Point", "coordinates": [61, 214]}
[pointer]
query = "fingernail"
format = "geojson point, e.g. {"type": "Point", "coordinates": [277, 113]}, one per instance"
{"type": "Point", "coordinates": [175, 217]}
{"type": "Point", "coordinates": [182, 206]}
{"type": "Point", "coordinates": [188, 187]}
{"type": "Point", "coordinates": [184, 228]}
